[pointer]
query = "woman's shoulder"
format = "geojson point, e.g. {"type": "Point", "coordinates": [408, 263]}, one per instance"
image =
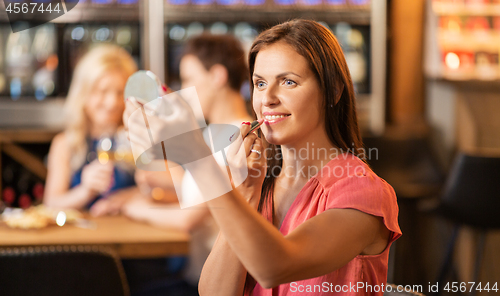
{"type": "Point", "coordinates": [355, 186]}
{"type": "Point", "coordinates": [345, 165]}
{"type": "Point", "coordinates": [59, 154]}
{"type": "Point", "coordinates": [60, 142]}
{"type": "Point", "coordinates": [347, 177]}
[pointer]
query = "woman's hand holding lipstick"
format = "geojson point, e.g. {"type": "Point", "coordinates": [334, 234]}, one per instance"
{"type": "Point", "coordinates": [255, 125]}
{"type": "Point", "coordinates": [255, 160]}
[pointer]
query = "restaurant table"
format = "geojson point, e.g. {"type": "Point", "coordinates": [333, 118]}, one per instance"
{"type": "Point", "coordinates": [128, 238]}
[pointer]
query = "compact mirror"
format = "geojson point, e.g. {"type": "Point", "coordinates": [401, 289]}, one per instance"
{"type": "Point", "coordinates": [144, 86]}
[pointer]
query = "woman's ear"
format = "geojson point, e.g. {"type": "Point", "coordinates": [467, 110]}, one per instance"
{"type": "Point", "coordinates": [219, 75]}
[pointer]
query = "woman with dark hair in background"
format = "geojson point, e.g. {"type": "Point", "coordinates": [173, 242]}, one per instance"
{"type": "Point", "coordinates": [311, 217]}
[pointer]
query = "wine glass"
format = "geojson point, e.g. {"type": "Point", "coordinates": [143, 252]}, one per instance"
{"type": "Point", "coordinates": [105, 154]}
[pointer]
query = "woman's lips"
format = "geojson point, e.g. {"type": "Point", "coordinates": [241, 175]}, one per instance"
{"type": "Point", "coordinates": [273, 119]}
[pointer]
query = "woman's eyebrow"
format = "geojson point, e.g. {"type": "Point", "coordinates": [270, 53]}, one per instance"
{"type": "Point", "coordinates": [257, 76]}
{"type": "Point", "coordinates": [279, 75]}
{"type": "Point", "coordinates": [287, 73]}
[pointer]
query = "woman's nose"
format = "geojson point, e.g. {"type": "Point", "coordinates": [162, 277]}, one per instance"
{"type": "Point", "coordinates": [270, 97]}
{"type": "Point", "coordinates": [112, 100]}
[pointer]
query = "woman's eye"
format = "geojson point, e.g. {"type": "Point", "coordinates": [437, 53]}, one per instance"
{"type": "Point", "coordinates": [260, 84]}
{"type": "Point", "coordinates": [289, 82]}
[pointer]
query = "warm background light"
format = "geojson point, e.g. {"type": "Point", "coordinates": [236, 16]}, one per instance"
{"type": "Point", "coordinates": [452, 60]}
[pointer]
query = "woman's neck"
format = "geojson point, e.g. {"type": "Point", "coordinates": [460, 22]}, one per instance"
{"type": "Point", "coordinates": [304, 159]}
{"type": "Point", "coordinates": [228, 107]}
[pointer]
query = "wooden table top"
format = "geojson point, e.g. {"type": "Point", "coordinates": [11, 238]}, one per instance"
{"type": "Point", "coordinates": [130, 239]}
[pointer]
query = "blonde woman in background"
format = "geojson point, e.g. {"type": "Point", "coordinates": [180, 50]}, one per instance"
{"type": "Point", "coordinates": [94, 108]}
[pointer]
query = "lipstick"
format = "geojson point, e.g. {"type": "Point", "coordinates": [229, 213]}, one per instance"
{"type": "Point", "coordinates": [255, 125]}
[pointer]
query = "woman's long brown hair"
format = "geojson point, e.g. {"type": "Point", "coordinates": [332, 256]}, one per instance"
{"type": "Point", "coordinates": [325, 57]}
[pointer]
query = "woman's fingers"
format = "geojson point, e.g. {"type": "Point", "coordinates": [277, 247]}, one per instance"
{"type": "Point", "coordinates": [104, 207]}
{"type": "Point", "coordinates": [100, 208]}
{"type": "Point", "coordinates": [131, 104]}
{"type": "Point", "coordinates": [101, 176]}
{"type": "Point", "coordinates": [256, 160]}
{"type": "Point", "coordinates": [237, 140]}
{"type": "Point", "coordinates": [103, 171]}
{"type": "Point", "coordinates": [134, 102]}
{"type": "Point", "coordinates": [248, 142]}
{"type": "Point", "coordinates": [102, 182]}
{"type": "Point", "coordinates": [97, 186]}
{"type": "Point", "coordinates": [256, 152]}
{"type": "Point", "coordinates": [245, 128]}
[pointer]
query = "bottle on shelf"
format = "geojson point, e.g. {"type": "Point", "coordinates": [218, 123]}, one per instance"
{"type": "Point", "coordinates": [37, 192]}
{"type": "Point", "coordinates": [3, 81]}
{"type": "Point", "coordinates": [8, 192]}
{"type": "Point", "coordinates": [20, 62]}
{"type": "Point", "coordinates": [24, 184]}
{"type": "Point", "coordinates": [43, 49]}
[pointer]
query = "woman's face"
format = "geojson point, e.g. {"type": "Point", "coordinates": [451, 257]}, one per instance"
{"type": "Point", "coordinates": [105, 106]}
{"type": "Point", "coordinates": [287, 95]}
{"type": "Point", "coordinates": [193, 73]}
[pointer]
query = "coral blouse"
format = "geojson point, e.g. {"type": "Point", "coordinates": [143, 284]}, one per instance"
{"type": "Point", "coordinates": [345, 182]}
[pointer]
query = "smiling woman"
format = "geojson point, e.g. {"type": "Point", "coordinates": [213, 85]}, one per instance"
{"type": "Point", "coordinates": [303, 219]}
{"type": "Point", "coordinates": [301, 87]}
{"type": "Point", "coordinates": [284, 99]}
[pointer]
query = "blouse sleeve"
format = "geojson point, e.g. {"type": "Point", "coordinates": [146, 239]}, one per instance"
{"type": "Point", "coordinates": [367, 193]}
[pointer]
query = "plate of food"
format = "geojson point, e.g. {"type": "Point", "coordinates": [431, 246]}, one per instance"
{"type": "Point", "coordinates": [39, 217]}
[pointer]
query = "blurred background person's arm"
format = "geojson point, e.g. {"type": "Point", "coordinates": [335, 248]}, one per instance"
{"type": "Point", "coordinates": [158, 202]}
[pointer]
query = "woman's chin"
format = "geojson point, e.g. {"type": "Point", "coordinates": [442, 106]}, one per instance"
{"type": "Point", "coordinates": [108, 126]}
{"type": "Point", "coordinates": [274, 139]}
